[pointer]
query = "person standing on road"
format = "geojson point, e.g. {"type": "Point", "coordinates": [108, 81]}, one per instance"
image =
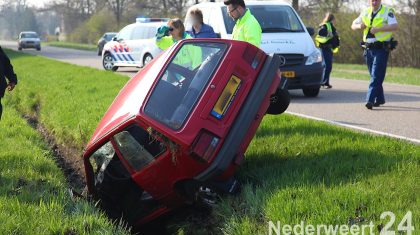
{"type": "Point", "coordinates": [246, 27]}
{"type": "Point", "coordinates": [378, 23]}
{"type": "Point", "coordinates": [6, 71]}
{"type": "Point", "coordinates": [198, 28]}
{"type": "Point", "coordinates": [328, 40]}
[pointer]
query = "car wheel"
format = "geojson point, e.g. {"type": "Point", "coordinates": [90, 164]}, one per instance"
{"type": "Point", "coordinates": [38, 48]}
{"type": "Point", "coordinates": [279, 102]}
{"type": "Point", "coordinates": [108, 62]}
{"type": "Point", "coordinates": [311, 91]}
{"type": "Point", "coordinates": [19, 48]}
{"type": "Point", "coordinates": [147, 58]}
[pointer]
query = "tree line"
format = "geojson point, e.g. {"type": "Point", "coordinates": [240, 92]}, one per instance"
{"type": "Point", "coordinates": [84, 21]}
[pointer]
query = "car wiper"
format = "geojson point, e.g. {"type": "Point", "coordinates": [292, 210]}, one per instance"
{"type": "Point", "coordinates": [279, 30]}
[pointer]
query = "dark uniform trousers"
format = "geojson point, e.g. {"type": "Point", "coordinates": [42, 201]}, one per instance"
{"type": "Point", "coordinates": [6, 71]}
{"type": "Point", "coordinates": [376, 60]}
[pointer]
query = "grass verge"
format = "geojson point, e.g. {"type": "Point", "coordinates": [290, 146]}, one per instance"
{"type": "Point", "coordinates": [296, 169]}
{"type": "Point", "coordinates": [72, 45]}
{"type": "Point", "coordinates": [410, 76]}
{"type": "Point", "coordinates": [33, 194]}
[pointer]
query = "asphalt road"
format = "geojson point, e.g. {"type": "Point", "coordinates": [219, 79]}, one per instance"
{"type": "Point", "coordinates": [79, 57]}
{"type": "Point", "coordinates": [342, 105]}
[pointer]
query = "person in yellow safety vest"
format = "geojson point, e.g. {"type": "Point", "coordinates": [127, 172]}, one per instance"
{"type": "Point", "coordinates": [378, 23]}
{"type": "Point", "coordinates": [328, 40]}
{"type": "Point", "coordinates": [246, 27]}
{"type": "Point", "coordinates": [189, 56]}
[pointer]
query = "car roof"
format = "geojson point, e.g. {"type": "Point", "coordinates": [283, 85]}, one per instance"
{"type": "Point", "coordinates": [248, 3]}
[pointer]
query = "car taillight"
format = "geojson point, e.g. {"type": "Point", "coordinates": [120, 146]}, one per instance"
{"type": "Point", "coordinates": [205, 145]}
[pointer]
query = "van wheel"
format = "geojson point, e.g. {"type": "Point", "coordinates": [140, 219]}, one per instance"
{"type": "Point", "coordinates": [311, 91]}
{"type": "Point", "coordinates": [147, 58]}
{"type": "Point", "coordinates": [279, 102]}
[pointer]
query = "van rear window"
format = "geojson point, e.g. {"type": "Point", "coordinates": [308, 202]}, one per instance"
{"type": "Point", "coordinates": [272, 19]}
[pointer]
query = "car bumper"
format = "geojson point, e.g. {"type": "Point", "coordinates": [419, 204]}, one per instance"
{"type": "Point", "coordinates": [30, 45]}
{"type": "Point", "coordinates": [305, 76]}
{"type": "Point", "coordinates": [243, 121]}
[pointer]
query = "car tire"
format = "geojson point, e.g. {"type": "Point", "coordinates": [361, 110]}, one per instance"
{"type": "Point", "coordinates": [147, 58]}
{"type": "Point", "coordinates": [311, 91]}
{"type": "Point", "coordinates": [19, 48]}
{"type": "Point", "coordinates": [38, 48]}
{"type": "Point", "coordinates": [279, 102]}
{"type": "Point", "coordinates": [108, 62]}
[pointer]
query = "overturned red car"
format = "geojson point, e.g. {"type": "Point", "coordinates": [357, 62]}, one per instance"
{"type": "Point", "coordinates": [179, 128]}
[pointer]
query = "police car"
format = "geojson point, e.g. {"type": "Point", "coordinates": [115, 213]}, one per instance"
{"type": "Point", "coordinates": [134, 45]}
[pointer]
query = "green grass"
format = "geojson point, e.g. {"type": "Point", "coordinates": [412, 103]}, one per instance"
{"type": "Point", "coordinates": [33, 191]}
{"type": "Point", "coordinates": [72, 45]}
{"type": "Point", "coordinates": [295, 169]}
{"type": "Point", "coordinates": [398, 75]}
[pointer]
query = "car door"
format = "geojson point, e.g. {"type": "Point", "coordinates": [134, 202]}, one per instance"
{"type": "Point", "coordinates": [135, 45]}
{"type": "Point", "coordinates": [119, 49]}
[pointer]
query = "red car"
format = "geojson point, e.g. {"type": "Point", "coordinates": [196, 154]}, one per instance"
{"type": "Point", "coordinates": [179, 128]}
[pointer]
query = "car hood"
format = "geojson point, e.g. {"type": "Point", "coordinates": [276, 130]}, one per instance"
{"type": "Point", "coordinates": [287, 43]}
{"type": "Point", "coordinates": [29, 39]}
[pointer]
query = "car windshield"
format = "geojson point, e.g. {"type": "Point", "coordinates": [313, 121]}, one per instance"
{"type": "Point", "coordinates": [29, 35]}
{"type": "Point", "coordinates": [272, 18]}
{"type": "Point", "coordinates": [183, 82]}
{"type": "Point", "coordinates": [109, 36]}
{"type": "Point", "coordinates": [138, 147]}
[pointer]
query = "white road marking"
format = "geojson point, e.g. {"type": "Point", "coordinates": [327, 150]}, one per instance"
{"type": "Point", "coordinates": [416, 141]}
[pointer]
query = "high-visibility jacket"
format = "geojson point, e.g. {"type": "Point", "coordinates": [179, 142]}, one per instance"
{"type": "Point", "coordinates": [380, 20]}
{"type": "Point", "coordinates": [325, 39]}
{"type": "Point", "coordinates": [189, 56]}
{"type": "Point", "coordinates": [247, 29]}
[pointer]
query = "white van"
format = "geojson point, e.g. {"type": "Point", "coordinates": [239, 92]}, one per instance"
{"type": "Point", "coordinates": [283, 33]}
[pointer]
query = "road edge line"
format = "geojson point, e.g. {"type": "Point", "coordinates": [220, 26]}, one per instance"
{"type": "Point", "coordinates": [415, 141]}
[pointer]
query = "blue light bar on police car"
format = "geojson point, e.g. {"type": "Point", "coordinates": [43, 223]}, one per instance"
{"type": "Point", "coordinates": [148, 20]}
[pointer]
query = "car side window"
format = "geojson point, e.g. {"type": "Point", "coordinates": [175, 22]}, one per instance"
{"type": "Point", "coordinates": [100, 159]}
{"type": "Point", "coordinates": [125, 33]}
{"type": "Point", "coordinates": [138, 147]}
{"type": "Point", "coordinates": [139, 33]}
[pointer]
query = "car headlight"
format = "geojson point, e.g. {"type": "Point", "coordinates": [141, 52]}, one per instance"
{"type": "Point", "coordinates": [315, 57]}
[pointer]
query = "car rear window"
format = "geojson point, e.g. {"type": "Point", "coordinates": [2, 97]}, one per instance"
{"type": "Point", "coordinates": [272, 19]}
{"type": "Point", "coordinates": [183, 82]}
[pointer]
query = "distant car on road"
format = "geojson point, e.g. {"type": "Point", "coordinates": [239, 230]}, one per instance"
{"type": "Point", "coordinates": [108, 36]}
{"type": "Point", "coordinates": [134, 45]}
{"type": "Point", "coordinates": [29, 39]}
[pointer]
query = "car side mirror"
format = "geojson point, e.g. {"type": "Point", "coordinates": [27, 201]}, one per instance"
{"type": "Point", "coordinates": [114, 39]}
{"type": "Point", "coordinates": [311, 31]}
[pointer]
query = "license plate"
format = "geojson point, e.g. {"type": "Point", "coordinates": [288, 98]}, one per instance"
{"type": "Point", "coordinates": [226, 98]}
{"type": "Point", "coordinates": [288, 74]}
